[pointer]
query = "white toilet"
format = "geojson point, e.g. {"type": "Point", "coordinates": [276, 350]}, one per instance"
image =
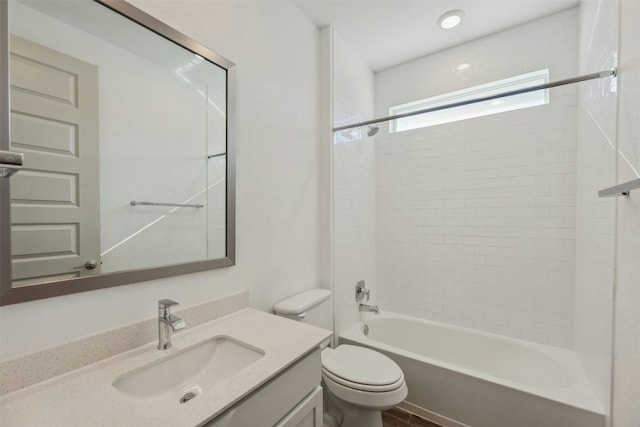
{"type": "Point", "coordinates": [358, 382]}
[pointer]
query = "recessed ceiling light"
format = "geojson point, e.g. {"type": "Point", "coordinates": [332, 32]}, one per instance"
{"type": "Point", "coordinates": [450, 19]}
{"type": "Point", "coordinates": [463, 67]}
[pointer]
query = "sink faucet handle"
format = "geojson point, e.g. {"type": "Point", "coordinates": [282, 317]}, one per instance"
{"type": "Point", "coordinates": [166, 303]}
{"type": "Point", "coordinates": [167, 322]}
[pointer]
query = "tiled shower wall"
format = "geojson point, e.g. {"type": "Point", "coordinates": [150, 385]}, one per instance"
{"type": "Point", "coordinates": [608, 232]}
{"type": "Point", "coordinates": [626, 388]}
{"type": "Point", "coordinates": [595, 228]}
{"type": "Point", "coordinates": [353, 183]}
{"type": "Point", "coordinates": [476, 219]}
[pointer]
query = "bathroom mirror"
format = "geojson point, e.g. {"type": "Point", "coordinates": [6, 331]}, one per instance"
{"type": "Point", "coordinates": [127, 132]}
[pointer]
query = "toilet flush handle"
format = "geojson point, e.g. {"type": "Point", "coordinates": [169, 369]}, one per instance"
{"type": "Point", "coordinates": [302, 315]}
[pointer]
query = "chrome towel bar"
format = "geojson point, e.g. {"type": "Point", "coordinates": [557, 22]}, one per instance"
{"type": "Point", "coordinates": [180, 205]}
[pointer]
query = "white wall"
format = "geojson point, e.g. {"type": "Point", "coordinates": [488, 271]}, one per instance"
{"type": "Point", "coordinates": [476, 218]}
{"type": "Point", "coordinates": [276, 50]}
{"type": "Point", "coordinates": [595, 238]}
{"type": "Point", "coordinates": [353, 183]}
{"type": "Point", "coordinates": [626, 376]}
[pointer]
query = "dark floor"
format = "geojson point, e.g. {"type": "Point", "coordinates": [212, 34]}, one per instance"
{"type": "Point", "coordinates": [398, 418]}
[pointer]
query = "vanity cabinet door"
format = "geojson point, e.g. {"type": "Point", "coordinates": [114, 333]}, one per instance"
{"type": "Point", "coordinates": [273, 403]}
{"type": "Point", "coordinates": [307, 413]}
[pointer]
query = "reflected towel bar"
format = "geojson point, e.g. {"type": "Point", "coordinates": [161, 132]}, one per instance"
{"type": "Point", "coordinates": [620, 189]}
{"type": "Point", "coordinates": [180, 205]}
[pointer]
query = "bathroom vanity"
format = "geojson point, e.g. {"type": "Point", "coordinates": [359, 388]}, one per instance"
{"type": "Point", "coordinates": [247, 368]}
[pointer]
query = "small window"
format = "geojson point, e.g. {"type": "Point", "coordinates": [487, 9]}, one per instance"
{"type": "Point", "coordinates": [479, 109]}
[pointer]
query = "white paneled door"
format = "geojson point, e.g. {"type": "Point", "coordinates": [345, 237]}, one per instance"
{"type": "Point", "coordinates": [55, 199]}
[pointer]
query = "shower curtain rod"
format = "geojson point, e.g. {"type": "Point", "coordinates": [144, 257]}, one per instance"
{"type": "Point", "coordinates": [600, 75]}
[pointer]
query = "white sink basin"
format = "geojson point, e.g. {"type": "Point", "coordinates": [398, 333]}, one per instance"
{"type": "Point", "coordinates": [184, 375]}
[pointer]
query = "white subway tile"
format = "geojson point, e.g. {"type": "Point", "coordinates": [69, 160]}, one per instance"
{"type": "Point", "coordinates": [482, 212]}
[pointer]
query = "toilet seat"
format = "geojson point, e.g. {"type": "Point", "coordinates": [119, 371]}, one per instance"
{"type": "Point", "coordinates": [360, 386]}
{"type": "Point", "coordinates": [366, 399]}
{"type": "Point", "coordinates": [361, 369]}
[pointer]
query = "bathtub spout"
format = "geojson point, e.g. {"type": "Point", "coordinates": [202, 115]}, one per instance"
{"type": "Point", "coordinates": [371, 308]}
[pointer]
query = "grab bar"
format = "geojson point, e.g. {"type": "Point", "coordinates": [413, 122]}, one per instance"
{"type": "Point", "coordinates": [620, 189]}
{"type": "Point", "coordinates": [181, 205]}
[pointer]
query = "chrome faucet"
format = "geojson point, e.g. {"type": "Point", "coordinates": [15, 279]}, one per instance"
{"type": "Point", "coordinates": [367, 307]}
{"type": "Point", "coordinates": [361, 291]}
{"type": "Point", "coordinates": [167, 323]}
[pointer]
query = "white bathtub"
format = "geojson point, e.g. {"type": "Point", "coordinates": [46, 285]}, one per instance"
{"type": "Point", "coordinates": [462, 377]}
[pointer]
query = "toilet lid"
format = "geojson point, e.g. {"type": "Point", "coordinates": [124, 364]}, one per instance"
{"type": "Point", "coordinates": [361, 365]}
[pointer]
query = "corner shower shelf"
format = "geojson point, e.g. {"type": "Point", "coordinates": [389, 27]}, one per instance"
{"type": "Point", "coordinates": [620, 189]}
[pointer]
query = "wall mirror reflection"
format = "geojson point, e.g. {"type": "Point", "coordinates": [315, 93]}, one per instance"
{"type": "Point", "coordinates": [128, 152]}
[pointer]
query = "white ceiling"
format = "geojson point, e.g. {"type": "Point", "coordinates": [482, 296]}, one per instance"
{"type": "Point", "coordinates": [386, 33]}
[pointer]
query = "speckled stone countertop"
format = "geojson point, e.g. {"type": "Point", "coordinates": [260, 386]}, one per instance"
{"type": "Point", "coordinates": [86, 396]}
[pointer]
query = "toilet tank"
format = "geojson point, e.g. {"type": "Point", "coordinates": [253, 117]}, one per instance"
{"type": "Point", "coordinates": [312, 307]}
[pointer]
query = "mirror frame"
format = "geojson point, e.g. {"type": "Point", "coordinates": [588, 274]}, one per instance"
{"type": "Point", "coordinates": [11, 295]}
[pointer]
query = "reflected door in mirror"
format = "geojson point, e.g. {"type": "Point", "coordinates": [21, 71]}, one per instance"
{"type": "Point", "coordinates": [55, 209]}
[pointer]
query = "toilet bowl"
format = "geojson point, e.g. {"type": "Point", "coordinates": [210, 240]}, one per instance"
{"type": "Point", "coordinates": [361, 383]}
{"type": "Point", "coordinates": [358, 382]}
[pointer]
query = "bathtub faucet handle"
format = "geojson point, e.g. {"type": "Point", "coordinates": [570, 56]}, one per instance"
{"type": "Point", "coordinates": [361, 291]}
